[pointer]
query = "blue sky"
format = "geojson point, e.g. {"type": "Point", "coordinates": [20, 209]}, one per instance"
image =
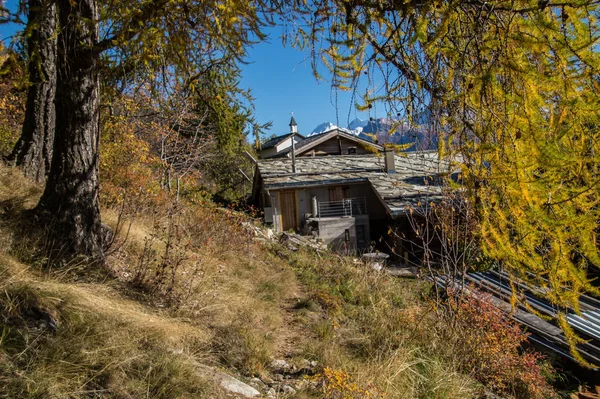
{"type": "Point", "coordinates": [282, 82]}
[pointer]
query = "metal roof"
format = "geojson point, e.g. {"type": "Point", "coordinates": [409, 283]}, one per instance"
{"type": "Point", "coordinates": [413, 181]}
{"type": "Point", "coordinates": [543, 332]}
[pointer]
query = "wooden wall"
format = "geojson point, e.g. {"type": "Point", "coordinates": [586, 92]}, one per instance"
{"type": "Point", "coordinates": [333, 145]}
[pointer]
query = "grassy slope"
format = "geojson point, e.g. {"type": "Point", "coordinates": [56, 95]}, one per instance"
{"type": "Point", "coordinates": [246, 305]}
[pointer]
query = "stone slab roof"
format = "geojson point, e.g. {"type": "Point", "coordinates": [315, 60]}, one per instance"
{"type": "Point", "coordinates": [415, 178]}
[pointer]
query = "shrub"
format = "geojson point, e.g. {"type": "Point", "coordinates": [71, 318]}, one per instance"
{"type": "Point", "coordinates": [338, 384]}
{"type": "Point", "coordinates": [12, 110]}
{"type": "Point", "coordinates": [489, 343]}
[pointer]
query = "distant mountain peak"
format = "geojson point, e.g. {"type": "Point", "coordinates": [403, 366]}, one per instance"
{"type": "Point", "coordinates": [379, 128]}
{"type": "Point", "coordinates": [358, 123]}
{"type": "Point", "coordinates": [322, 128]}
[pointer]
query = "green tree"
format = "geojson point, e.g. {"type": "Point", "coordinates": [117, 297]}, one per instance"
{"type": "Point", "coordinates": [512, 87]}
{"type": "Point", "coordinates": [134, 40]}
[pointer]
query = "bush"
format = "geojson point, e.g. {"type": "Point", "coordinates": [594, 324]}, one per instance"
{"type": "Point", "coordinates": [489, 345]}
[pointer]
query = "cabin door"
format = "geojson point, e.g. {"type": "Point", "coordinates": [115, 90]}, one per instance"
{"type": "Point", "coordinates": [287, 199]}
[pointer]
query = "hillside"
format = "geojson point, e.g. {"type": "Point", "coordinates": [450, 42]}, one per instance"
{"type": "Point", "coordinates": [189, 304]}
{"type": "Point", "coordinates": [187, 294]}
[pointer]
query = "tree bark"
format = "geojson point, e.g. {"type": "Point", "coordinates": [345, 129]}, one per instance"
{"type": "Point", "coordinates": [71, 194]}
{"type": "Point", "coordinates": [33, 151]}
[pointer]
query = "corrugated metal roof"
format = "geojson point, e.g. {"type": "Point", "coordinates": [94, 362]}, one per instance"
{"type": "Point", "coordinates": [544, 332]}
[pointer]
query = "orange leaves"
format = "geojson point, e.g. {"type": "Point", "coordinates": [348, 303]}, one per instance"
{"type": "Point", "coordinates": [490, 343]}
{"type": "Point", "coordinates": [12, 102]}
{"type": "Point", "coordinates": [126, 160]}
{"type": "Point", "coordinates": [336, 383]}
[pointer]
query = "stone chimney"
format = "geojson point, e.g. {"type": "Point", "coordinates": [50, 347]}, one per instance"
{"type": "Point", "coordinates": [389, 160]}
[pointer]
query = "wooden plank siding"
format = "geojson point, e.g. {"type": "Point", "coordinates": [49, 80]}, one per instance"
{"type": "Point", "coordinates": [337, 146]}
{"type": "Point", "coordinates": [338, 193]}
{"type": "Point", "coordinates": [289, 210]}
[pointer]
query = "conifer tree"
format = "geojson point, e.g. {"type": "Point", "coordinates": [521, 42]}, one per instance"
{"type": "Point", "coordinates": [158, 40]}
{"type": "Point", "coordinates": [512, 87]}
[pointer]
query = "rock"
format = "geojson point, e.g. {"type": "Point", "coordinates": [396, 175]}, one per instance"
{"type": "Point", "coordinates": [402, 271]}
{"type": "Point", "coordinates": [278, 377]}
{"type": "Point", "coordinates": [313, 364]}
{"type": "Point", "coordinates": [258, 384]}
{"type": "Point", "coordinates": [267, 380]}
{"type": "Point", "coordinates": [236, 386]}
{"type": "Point", "coordinates": [288, 390]}
{"type": "Point", "coordinates": [490, 395]}
{"type": "Point", "coordinates": [229, 383]}
{"type": "Point", "coordinates": [280, 365]}
{"type": "Point", "coordinates": [271, 393]}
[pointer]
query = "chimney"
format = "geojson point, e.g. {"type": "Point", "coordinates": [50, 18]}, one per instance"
{"type": "Point", "coordinates": [389, 160]}
{"type": "Point", "coordinates": [293, 126]}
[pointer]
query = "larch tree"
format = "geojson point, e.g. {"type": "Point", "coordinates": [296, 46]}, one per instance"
{"type": "Point", "coordinates": [512, 87]}
{"type": "Point", "coordinates": [33, 151]}
{"type": "Point", "coordinates": [166, 39]}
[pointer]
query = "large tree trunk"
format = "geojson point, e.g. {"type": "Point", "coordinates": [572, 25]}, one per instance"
{"type": "Point", "coordinates": [33, 151]}
{"type": "Point", "coordinates": [71, 194]}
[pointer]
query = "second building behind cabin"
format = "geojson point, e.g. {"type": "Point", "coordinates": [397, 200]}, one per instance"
{"type": "Point", "coordinates": [333, 142]}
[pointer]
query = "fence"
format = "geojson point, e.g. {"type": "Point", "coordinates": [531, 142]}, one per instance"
{"type": "Point", "coordinates": [345, 207]}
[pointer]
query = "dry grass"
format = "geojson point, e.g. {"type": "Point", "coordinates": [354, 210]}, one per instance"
{"type": "Point", "coordinates": [370, 332]}
{"type": "Point", "coordinates": [75, 340]}
{"type": "Point", "coordinates": [115, 339]}
{"type": "Point", "coordinates": [227, 301]}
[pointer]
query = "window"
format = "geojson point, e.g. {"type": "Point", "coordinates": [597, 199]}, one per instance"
{"type": "Point", "coordinates": [351, 150]}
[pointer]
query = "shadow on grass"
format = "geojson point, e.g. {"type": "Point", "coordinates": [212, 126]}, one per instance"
{"type": "Point", "coordinates": [25, 234]}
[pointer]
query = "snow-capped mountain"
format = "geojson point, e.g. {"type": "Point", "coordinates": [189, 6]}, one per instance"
{"type": "Point", "coordinates": [323, 127]}
{"type": "Point", "coordinates": [357, 125]}
{"type": "Point", "coordinates": [327, 126]}
{"type": "Point", "coordinates": [379, 129]}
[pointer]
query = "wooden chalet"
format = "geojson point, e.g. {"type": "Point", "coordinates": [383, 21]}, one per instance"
{"type": "Point", "coordinates": [345, 200]}
{"type": "Point", "coordinates": [332, 142]}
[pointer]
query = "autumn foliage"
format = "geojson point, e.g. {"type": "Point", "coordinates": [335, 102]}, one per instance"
{"type": "Point", "coordinates": [12, 100]}
{"type": "Point", "coordinates": [490, 346]}
{"type": "Point", "coordinates": [338, 384]}
{"type": "Point", "coordinates": [510, 89]}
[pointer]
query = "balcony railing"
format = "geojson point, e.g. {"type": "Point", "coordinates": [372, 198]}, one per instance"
{"type": "Point", "coordinates": [345, 207]}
